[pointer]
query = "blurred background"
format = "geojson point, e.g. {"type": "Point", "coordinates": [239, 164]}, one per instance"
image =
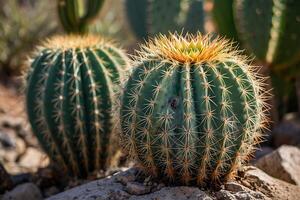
{"type": "Point", "coordinates": [25, 23]}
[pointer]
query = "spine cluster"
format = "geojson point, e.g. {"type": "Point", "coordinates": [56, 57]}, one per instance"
{"type": "Point", "coordinates": [148, 18]}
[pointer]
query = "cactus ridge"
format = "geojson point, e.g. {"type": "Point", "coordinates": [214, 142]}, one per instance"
{"type": "Point", "coordinates": [70, 97]}
{"type": "Point", "coordinates": [273, 34]}
{"type": "Point", "coordinates": [192, 110]}
{"type": "Point", "coordinates": [76, 14]}
{"type": "Point", "coordinates": [148, 18]}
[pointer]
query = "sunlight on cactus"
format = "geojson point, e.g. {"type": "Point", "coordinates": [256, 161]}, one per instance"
{"type": "Point", "coordinates": [193, 109]}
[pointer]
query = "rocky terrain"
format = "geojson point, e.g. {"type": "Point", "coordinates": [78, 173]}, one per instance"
{"type": "Point", "coordinates": [274, 174]}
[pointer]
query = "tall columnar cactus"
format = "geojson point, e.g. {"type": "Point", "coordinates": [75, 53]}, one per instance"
{"type": "Point", "coordinates": [70, 94]}
{"type": "Point", "coordinates": [269, 29]}
{"type": "Point", "coordinates": [222, 13]}
{"type": "Point", "coordinates": [149, 17]}
{"type": "Point", "coordinates": [75, 15]}
{"type": "Point", "coordinates": [192, 109]}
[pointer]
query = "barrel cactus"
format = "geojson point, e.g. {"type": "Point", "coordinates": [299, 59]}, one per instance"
{"type": "Point", "coordinates": [272, 34]}
{"type": "Point", "coordinates": [70, 93]}
{"type": "Point", "coordinates": [192, 109]}
{"type": "Point", "coordinates": [148, 18]}
{"type": "Point", "coordinates": [75, 15]}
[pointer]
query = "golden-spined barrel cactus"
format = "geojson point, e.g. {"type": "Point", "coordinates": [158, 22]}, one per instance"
{"type": "Point", "coordinates": [192, 109]}
{"type": "Point", "coordinates": [70, 94]}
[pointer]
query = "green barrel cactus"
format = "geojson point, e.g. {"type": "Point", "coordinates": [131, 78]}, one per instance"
{"type": "Point", "coordinates": [269, 29]}
{"type": "Point", "coordinates": [75, 15]}
{"type": "Point", "coordinates": [192, 109]}
{"type": "Point", "coordinates": [148, 18]}
{"type": "Point", "coordinates": [71, 88]}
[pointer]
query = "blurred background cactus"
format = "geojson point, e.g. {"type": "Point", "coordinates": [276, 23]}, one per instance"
{"type": "Point", "coordinates": [271, 35]}
{"type": "Point", "coordinates": [70, 95]}
{"type": "Point", "coordinates": [148, 18]}
{"type": "Point", "coordinates": [76, 15]}
{"type": "Point", "coordinates": [22, 24]}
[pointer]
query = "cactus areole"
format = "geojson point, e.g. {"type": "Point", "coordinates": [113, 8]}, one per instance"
{"type": "Point", "coordinates": [70, 94]}
{"type": "Point", "coordinates": [192, 109]}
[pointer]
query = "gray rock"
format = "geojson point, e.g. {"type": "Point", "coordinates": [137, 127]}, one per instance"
{"type": "Point", "coordinates": [234, 187]}
{"type": "Point", "coordinates": [137, 189]}
{"type": "Point", "coordinates": [257, 180]}
{"type": "Point", "coordinates": [6, 141]}
{"type": "Point", "coordinates": [284, 164]}
{"type": "Point", "coordinates": [224, 195]}
{"type": "Point", "coordinates": [24, 191]}
{"type": "Point", "coordinates": [254, 185]}
{"type": "Point", "coordinates": [51, 191]}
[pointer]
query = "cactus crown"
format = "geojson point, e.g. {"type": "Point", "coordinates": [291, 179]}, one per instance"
{"type": "Point", "coordinates": [195, 49]}
{"type": "Point", "coordinates": [192, 109]}
{"type": "Point", "coordinates": [74, 42]}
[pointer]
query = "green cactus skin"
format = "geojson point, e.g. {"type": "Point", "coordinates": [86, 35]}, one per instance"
{"type": "Point", "coordinates": [150, 17]}
{"type": "Point", "coordinates": [222, 13]}
{"type": "Point", "coordinates": [271, 34]}
{"type": "Point", "coordinates": [192, 109]}
{"type": "Point", "coordinates": [70, 94]}
{"type": "Point", "coordinates": [75, 15]}
{"type": "Point", "coordinates": [280, 20]}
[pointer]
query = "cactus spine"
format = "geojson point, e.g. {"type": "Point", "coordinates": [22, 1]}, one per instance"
{"type": "Point", "coordinates": [70, 94]}
{"type": "Point", "coordinates": [192, 109]}
{"type": "Point", "coordinates": [149, 17]}
{"type": "Point", "coordinates": [75, 15]}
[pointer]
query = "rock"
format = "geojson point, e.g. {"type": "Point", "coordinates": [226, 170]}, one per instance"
{"type": "Point", "coordinates": [257, 180]}
{"type": "Point", "coordinates": [5, 180]}
{"type": "Point", "coordinates": [234, 187]}
{"type": "Point", "coordinates": [224, 195]}
{"type": "Point", "coordinates": [12, 122]}
{"type": "Point", "coordinates": [126, 179]}
{"type": "Point", "coordinates": [284, 164]}
{"type": "Point", "coordinates": [33, 159]}
{"type": "Point", "coordinates": [255, 184]}
{"type": "Point", "coordinates": [261, 152]}
{"type": "Point", "coordinates": [234, 190]}
{"type": "Point", "coordinates": [288, 131]}
{"type": "Point", "coordinates": [111, 188]}
{"type": "Point", "coordinates": [137, 189]}
{"type": "Point", "coordinates": [51, 191]}
{"type": "Point", "coordinates": [6, 141]}
{"type": "Point", "coordinates": [24, 191]}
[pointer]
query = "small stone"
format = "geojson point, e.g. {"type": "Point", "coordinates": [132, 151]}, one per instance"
{"type": "Point", "coordinates": [11, 122]}
{"type": "Point", "coordinates": [126, 179]}
{"type": "Point", "coordinates": [33, 159]}
{"type": "Point", "coordinates": [6, 141]}
{"type": "Point", "coordinates": [284, 164]}
{"type": "Point", "coordinates": [270, 187]}
{"type": "Point", "coordinates": [234, 187]}
{"type": "Point", "coordinates": [5, 180]}
{"type": "Point", "coordinates": [24, 191]}
{"type": "Point", "coordinates": [137, 189]}
{"type": "Point", "coordinates": [243, 196]}
{"type": "Point", "coordinates": [224, 195]}
{"type": "Point", "coordinates": [51, 191]}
